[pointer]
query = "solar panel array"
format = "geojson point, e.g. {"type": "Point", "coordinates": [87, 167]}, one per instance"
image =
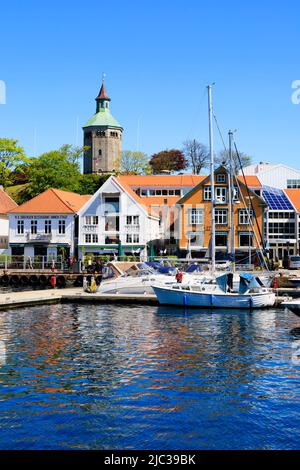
{"type": "Point", "coordinates": [276, 199]}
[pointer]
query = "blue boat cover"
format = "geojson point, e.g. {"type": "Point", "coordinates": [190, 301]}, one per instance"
{"type": "Point", "coordinates": [247, 281]}
{"type": "Point", "coordinates": [222, 281]}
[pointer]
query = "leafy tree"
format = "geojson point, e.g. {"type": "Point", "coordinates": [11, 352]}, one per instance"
{"type": "Point", "coordinates": [223, 159]}
{"type": "Point", "coordinates": [55, 169]}
{"type": "Point", "coordinates": [88, 184]}
{"type": "Point", "coordinates": [11, 156]}
{"type": "Point", "coordinates": [74, 154]}
{"type": "Point", "coordinates": [196, 154]}
{"type": "Point", "coordinates": [136, 163]}
{"type": "Point", "coordinates": [168, 160]}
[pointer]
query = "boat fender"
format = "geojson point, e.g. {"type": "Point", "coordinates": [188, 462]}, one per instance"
{"type": "Point", "coordinates": [185, 302]}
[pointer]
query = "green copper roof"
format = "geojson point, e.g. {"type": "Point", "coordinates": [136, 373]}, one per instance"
{"type": "Point", "coordinates": [103, 118]}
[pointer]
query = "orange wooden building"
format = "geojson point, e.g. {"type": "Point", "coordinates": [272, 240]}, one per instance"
{"type": "Point", "coordinates": [248, 216]}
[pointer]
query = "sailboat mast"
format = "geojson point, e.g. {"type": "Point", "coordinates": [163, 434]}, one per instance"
{"type": "Point", "coordinates": [231, 194]}
{"type": "Point", "coordinates": [212, 178]}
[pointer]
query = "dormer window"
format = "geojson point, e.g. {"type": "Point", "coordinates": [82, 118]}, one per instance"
{"type": "Point", "coordinates": [221, 178]}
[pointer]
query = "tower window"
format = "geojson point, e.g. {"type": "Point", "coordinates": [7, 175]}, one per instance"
{"type": "Point", "coordinates": [100, 133]}
{"type": "Point", "coordinates": [99, 152]}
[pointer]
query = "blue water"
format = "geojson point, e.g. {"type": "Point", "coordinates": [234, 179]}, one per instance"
{"type": "Point", "coordinates": [120, 377]}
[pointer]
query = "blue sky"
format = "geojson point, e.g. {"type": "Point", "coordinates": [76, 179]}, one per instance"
{"type": "Point", "coordinates": [158, 57]}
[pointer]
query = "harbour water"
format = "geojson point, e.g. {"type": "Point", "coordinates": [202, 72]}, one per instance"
{"type": "Point", "coordinates": [129, 377]}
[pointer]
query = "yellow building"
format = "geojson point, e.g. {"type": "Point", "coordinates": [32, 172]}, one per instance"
{"type": "Point", "coordinates": [248, 216]}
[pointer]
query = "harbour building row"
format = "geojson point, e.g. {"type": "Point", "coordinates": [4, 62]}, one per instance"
{"type": "Point", "coordinates": [159, 215]}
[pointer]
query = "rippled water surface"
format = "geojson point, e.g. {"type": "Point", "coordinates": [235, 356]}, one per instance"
{"type": "Point", "coordinates": [123, 377]}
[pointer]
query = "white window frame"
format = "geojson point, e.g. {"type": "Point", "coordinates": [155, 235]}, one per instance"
{"type": "Point", "coordinates": [221, 178]}
{"type": "Point", "coordinates": [244, 216]}
{"type": "Point", "coordinates": [196, 216]}
{"type": "Point", "coordinates": [33, 227]}
{"type": "Point", "coordinates": [94, 238]}
{"type": "Point", "coordinates": [221, 216]}
{"type": "Point", "coordinates": [48, 226]}
{"type": "Point", "coordinates": [20, 227]}
{"type": "Point", "coordinates": [221, 198]}
{"type": "Point", "coordinates": [88, 238]}
{"type": "Point", "coordinates": [206, 193]}
{"type": "Point", "coordinates": [61, 227]}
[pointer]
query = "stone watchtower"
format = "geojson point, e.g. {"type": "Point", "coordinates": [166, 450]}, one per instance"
{"type": "Point", "coordinates": [103, 136]}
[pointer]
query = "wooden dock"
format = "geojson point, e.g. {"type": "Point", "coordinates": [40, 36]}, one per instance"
{"type": "Point", "coordinates": [77, 295]}
{"type": "Point", "coordinates": [69, 295]}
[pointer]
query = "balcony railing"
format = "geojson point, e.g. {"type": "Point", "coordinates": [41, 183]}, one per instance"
{"type": "Point", "coordinates": [131, 228]}
{"type": "Point", "coordinates": [89, 228]}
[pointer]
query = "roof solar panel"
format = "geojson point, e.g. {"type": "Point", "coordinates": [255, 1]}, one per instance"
{"type": "Point", "coordinates": [276, 199]}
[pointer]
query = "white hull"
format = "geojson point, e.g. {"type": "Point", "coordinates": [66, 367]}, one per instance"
{"type": "Point", "coordinates": [188, 298]}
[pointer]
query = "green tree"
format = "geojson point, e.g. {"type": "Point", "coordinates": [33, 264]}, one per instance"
{"type": "Point", "coordinates": [55, 169]}
{"type": "Point", "coordinates": [12, 156]}
{"type": "Point", "coordinates": [88, 184]}
{"type": "Point", "coordinates": [168, 160]}
{"type": "Point", "coordinates": [135, 163]}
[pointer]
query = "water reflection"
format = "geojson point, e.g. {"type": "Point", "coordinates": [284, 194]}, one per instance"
{"type": "Point", "coordinates": [131, 377]}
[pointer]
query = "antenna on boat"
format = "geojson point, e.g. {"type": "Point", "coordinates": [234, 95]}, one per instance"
{"type": "Point", "coordinates": [212, 182]}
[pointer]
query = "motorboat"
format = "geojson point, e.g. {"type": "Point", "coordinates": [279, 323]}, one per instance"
{"type": "Point", "coordinates": [251, 293]}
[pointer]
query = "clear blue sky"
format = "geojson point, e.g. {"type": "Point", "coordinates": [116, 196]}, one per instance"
{"type": "Point", "coordinates": [158, 56]}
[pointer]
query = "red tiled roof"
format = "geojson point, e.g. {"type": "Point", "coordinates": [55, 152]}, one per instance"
{"type": "Point", "coordinates": [53, 201]}
{"type": "Point", "coordinates": [161, 180]}
{"type": "Point", "coordinates": [6, 202]}
{"type": "Point", "coordinates": [251, 181]}
{"type": "Point", "coordinates": [294, 197]}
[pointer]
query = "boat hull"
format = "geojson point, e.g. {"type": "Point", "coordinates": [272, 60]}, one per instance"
{"type": "Point", "coordinates": [179, 297]}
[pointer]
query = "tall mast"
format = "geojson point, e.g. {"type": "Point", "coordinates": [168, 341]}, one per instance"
{"type": "Point", "coordinates": [231, 193]}
{"type": "Point", "coordinates": [212, 179]}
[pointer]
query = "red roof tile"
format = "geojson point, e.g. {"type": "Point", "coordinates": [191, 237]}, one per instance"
{"type": "Point", "coordinates": [53, 201]}
{"type": "Point", "coordinates": [6, 202]}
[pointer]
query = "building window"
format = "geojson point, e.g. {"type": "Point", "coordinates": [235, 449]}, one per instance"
{"type": "Point", "coordinates": [88, 238]}
{"type": "Point", "coordinates": [207, 193]}
{"type": "Point", "coordinates": [132, 220]}
{"type": "Point", "coordinates": [95, 220]}
{"type": "Point", "coordinates": [196, 239]}
{"type": "Point", "coordinates": [244, 218]}
{"type": "Point", "coordinates": [99, 152]}
{"type": "Point", "coordinates": [144, 192]}
{"type": "Point", "coordinates": [95, 238]}
{"type": "Point", "coordinates": [20, 227]}
{"type": "Point", "coordinates": [88, 220]}
{"type": "Point", "coordinates": [221, 216]}
{"type": "Point", "coordinates": [245, 239]}
{"type": "Point", "coordinates": [221, 195]}
{"type": "Point", "coordinates": [111, 223]}
{"type": "Point", "coordinates": [293, 184]}
{"type": "Point", "coordinates": [196, 216]}
{"type": "Point", "coordinates": [221, 239]}
{"type": "Point", "coordinates": [47, 226]}
{"type": "Point", "coordinates": [33, 226]}
{"type": "Point", "coordinates": [62, 227]}
{"type": "Point", "coordinates": [112, 204]}
{"type": "Point", "coordinates": [221, 178]}
{"type": "Point", "coordinates": [132, 238]}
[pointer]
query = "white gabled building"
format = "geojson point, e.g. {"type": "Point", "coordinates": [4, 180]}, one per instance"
{"type": "Point", "coordinates": [46, 226]}
{"type": "Point", "coordinates": [275, 175]}
{"type": "Point", "coordinates": [113, 220]}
